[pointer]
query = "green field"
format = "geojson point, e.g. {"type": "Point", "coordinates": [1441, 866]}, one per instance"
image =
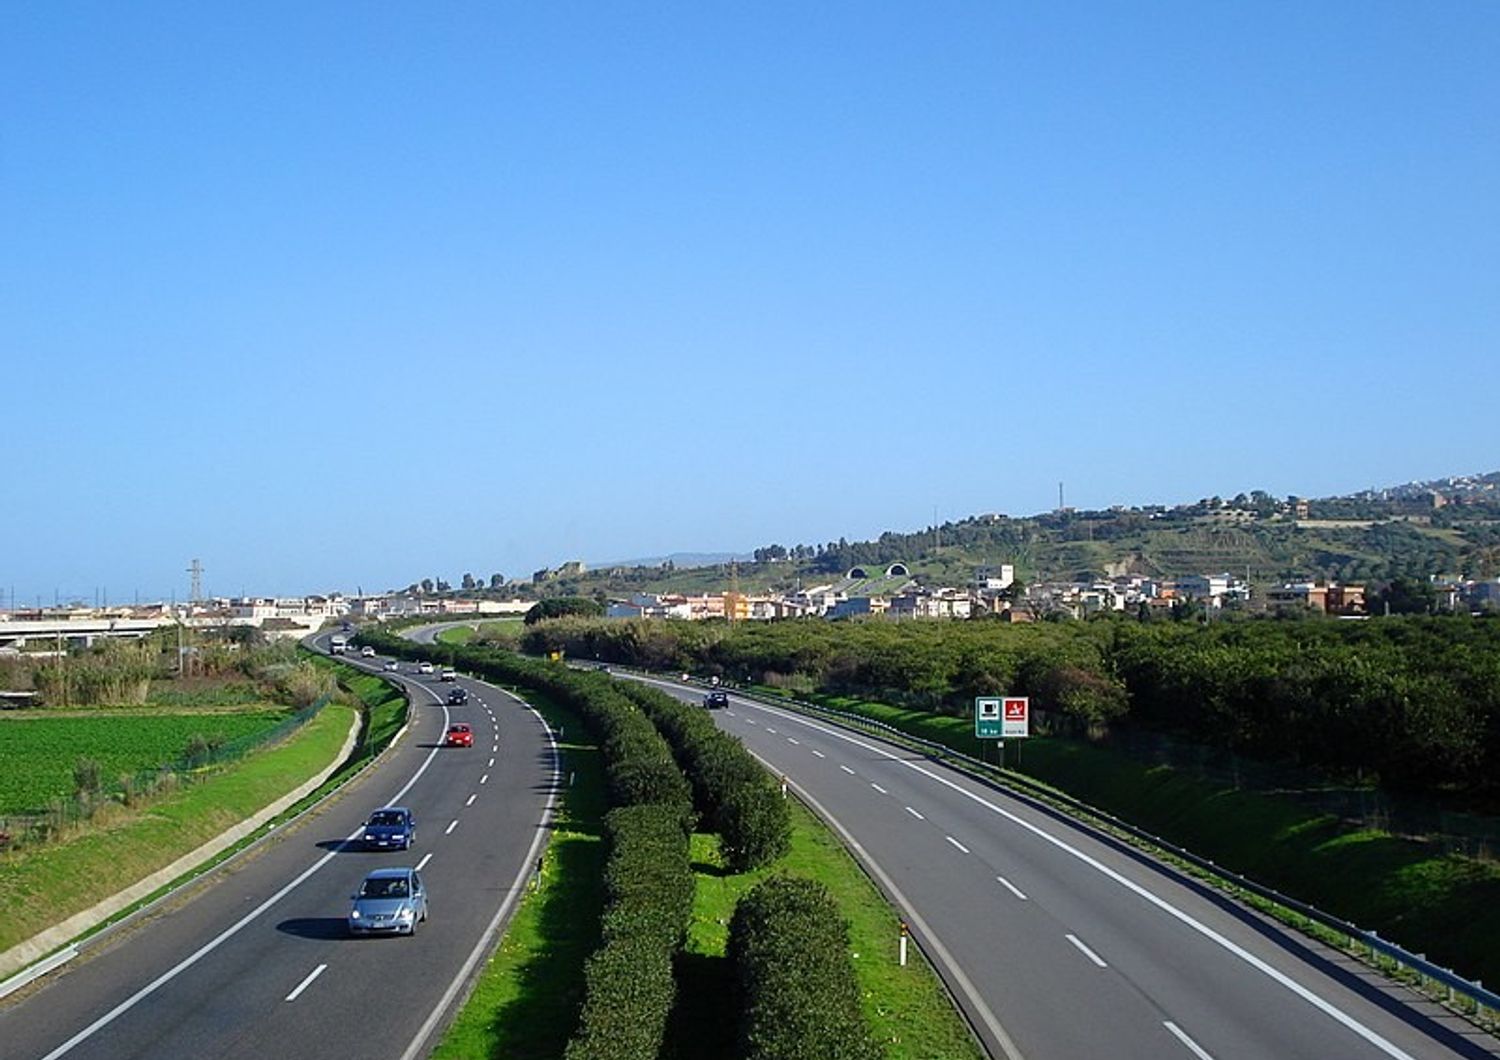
{"type": "Point", "coordinates": [37, 754]}
{"type": "Point", "coordinates": [50, 882]}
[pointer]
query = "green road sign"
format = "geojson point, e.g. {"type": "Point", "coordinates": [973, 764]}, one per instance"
{"type": "Point", "coordinates": [988, 724]}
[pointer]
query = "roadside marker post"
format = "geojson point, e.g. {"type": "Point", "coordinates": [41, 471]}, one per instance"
{"type": "Point", "coordinates": [905, 931]}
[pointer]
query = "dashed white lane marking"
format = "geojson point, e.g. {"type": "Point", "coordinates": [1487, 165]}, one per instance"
{"type": "Point", "coordinates": [820, 754]}
{"type": "Point", "coordinates": [1193, 1047]}
{"type": "Point", "coordinates": [484, 779]}
{"type": "Point", "coordinates": [309, 981]}
{"type": "Point", "coordinates": [1090, 954]}
{"type": "Point", "coordinates": [956, 843]}
{"type": "Point", "coordinates": [492, 761]}
{"type": "Point", "coordinates": [730, 713]}
{"type": "Point", "coordinates": [915, 814]}
{"type": "Point", "coordinates": [450, 828]}
{"type": "Point", "coordinates": [878, 788]}
{"type": "Point", "coordinates": [790, 739]}
{"type": "Point", "coordinates": [494, 748]}
{"type": "Point", "coordinates": [751, 721]}
{"type": "Point", "coordinates": [770, 730]}
{"type": "Point", "coordinates": [471, 800]}
{"type": "Point", "coordinates": [1012, 888]}
{"type": "Point", "coordinates": [846, 769]}
{"type": "Point", "coordinates": [425, 859]}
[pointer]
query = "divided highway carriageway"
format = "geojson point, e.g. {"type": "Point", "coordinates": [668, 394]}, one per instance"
{"type": "Point", "coordinates": [1060, 943]}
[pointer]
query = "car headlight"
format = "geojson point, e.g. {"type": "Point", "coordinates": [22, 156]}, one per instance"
{"type": "Point", "coordinates": [354, 914]}
{"type": "Point", "coordinates": [405, 914]}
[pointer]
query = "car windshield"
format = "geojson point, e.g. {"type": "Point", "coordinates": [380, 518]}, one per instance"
{"type": "Point", "coordinates": [386, 817]}
{"type": "Point", "coordinates": [384, 888]}
{"type": "Point", "coordinates": [459, 728]}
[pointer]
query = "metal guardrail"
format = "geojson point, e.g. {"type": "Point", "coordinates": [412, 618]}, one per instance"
{"type": "Point", "coordinates": [1425, 971]}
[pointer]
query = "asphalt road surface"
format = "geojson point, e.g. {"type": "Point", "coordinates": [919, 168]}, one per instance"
{"type": "Point", "coordinates": [257, 963]}
{"type": "Point", "coordinates": [1059, 943]}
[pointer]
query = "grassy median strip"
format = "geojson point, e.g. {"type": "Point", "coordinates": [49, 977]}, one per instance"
{"type": "Point", "coordinates": [525, 1003]}
{"type": "Point", "coordinates": [46, 884]}
{"type": "Point", "coordinates": [908, 1010]}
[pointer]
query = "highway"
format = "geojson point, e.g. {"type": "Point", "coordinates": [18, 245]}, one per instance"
{"type": "Point", "coordinates": [1060, 943]}
{"type": "Point", "coordinates": [257, 963]}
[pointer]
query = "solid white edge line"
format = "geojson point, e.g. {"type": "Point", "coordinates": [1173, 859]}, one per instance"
{"type": "Point", "coordinates": [1090, 954]}
{"type": "Point", "coordinates": [1281, 978]}
{"type": "Point", "coordinates": [517, 887]}
{"type": "Point", "coordinates": [451, 826]}
{"type": "Point", "coordinates": [235, 928]}
{"type": "Point", "coordinates": [1193, 1046]}
{"type": "Point", "coordinates": [425, 859]}
{"type": "Point", "coordinates": [1012, 888]}
{"type": "Point", "coordinates": [956, 843]}
{"type": "Point", "coordinates": [915, 814]}
{"type": "Point", "coordinates": [295, 994]}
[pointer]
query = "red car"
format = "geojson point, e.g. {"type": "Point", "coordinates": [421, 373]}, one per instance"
{"type": "Point", "coordinates": [459, 735]}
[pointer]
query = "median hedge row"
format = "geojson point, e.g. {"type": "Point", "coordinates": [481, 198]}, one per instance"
{"type": "Point", "coordinates": [798, 993]}
{"type": "Point", "coordinates": [731, 790]}
{"type": "Point", "coordinates": [629, 986]}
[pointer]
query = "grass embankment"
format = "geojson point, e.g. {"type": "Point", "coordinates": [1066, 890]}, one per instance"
{"type": "Point", "coordinates": [526, 1001]}
{"type": "Point", "coordinates": [457, 635]}
{"type": "Point", "coordinates": [1412, 893]}
{"type": "Point", "coordinates": [46, 884]}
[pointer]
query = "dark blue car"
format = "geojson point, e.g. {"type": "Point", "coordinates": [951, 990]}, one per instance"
{"type": "Point", "coordinates": [390, 828]}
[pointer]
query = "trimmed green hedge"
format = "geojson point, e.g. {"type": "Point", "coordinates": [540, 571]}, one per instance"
{"type": "Point", "coordinates": [629, 986]}
{"type": "Point", "coordinates": [629, 982]}
{"type": "Point", "coordinates": [731, 790]}
{"type": "Point", "coordinates": [798, 993]}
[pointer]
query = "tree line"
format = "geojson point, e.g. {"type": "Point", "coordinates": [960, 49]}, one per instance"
{"type": "Point", "coordinates": [1412, 703]}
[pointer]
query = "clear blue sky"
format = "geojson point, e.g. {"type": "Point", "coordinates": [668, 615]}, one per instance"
{"type": "Point", "coordinates": [338, 295]}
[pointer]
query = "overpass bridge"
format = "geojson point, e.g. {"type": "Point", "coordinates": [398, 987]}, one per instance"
{"type": "Point", "coordinates": [75, 632]}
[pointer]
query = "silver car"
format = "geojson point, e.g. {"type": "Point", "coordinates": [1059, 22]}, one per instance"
{"type": "Point", "coordinates": [389, 902]}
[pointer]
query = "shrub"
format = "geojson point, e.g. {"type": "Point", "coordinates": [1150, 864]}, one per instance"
{"type": "Point", "coordinates": [798, 994]}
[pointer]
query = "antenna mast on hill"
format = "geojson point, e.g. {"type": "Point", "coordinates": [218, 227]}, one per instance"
{"type": "Point", "coordinates": [196, 593]}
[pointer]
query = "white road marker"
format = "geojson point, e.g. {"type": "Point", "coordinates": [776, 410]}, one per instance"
{"type": "Point", "coordinates": [492, 761]}
{"type": "Point", "coordinates": [820, 754]}
{"type": "Point", "coordinates": [425, 859]}
{"type": "Point", "coordinates": [449, 830]}
{"type": "Point", "coordinates": [915, 814]}
{"type": "Point", "coordinates": [1193, 1047]}
{"type": "Point", "coordinates": [770, 730]}
{"type": "Point", "coordinates": [846, 769]}
{"type": "Point", "coordinates": [1090, 954]}
{"type": "Point", "coordinates": [471, 800]}
{"type": "Point", "coordinates": [319, 971]}
{"type": "Point", "coordinates": [1012, 888]}
{"type": "Point", "coordinates": [730, 714]}
{"type": "Point", "coordinates": [794, 740]}
{"type": "Point", "coordinates": [484, 779]}
{"type": "Point", "coordinates": [878, 788]}
{"type": "Point", "coordinates": [956, 843]}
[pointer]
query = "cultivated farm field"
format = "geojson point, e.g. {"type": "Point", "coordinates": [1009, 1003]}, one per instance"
{"type": "Point", "coordinates": [37, 754]}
